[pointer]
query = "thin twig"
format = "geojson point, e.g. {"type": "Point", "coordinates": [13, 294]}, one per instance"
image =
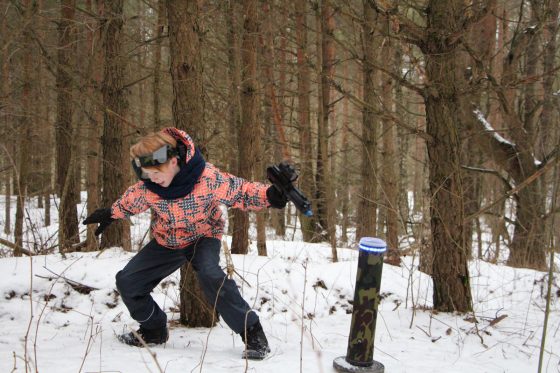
{"type": "Point", "coordinates": [152, 354]}
{"type": "Point", "coordinates": [550, 272]}
{"type": "Point", "coordinates": [304, 264]}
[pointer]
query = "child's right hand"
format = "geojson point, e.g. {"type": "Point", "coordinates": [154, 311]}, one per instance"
{"type": "Point", "coordinates": [101, 216]}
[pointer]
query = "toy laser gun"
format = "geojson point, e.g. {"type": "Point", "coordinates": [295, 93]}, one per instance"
{"type": "Point", "coordinates": [282, 177]}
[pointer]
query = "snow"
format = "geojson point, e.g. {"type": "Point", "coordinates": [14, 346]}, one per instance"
{"type": "Point", "coordinates": [488, 127]}
{"type": "Point", "coordinates": [303, 301]}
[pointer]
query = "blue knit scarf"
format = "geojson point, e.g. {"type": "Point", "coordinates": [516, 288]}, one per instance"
{"type": "Point", "coordinates": [183, 183]}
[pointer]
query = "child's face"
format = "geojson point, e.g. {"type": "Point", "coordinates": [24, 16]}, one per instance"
{"type": "Point", "coordinates": [164, 176]}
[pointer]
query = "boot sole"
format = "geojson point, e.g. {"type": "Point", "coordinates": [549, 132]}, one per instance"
{"type": "Point", "coordinates": [254, 355]}
{"type": "Point", "coordinates": [140, 344]}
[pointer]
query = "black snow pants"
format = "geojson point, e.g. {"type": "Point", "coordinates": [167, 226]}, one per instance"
{"type": "Point", "coordinates": [155, 262]}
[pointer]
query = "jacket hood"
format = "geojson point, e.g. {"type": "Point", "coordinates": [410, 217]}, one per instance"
{"type": "Point", "coordinates": [182, 136]}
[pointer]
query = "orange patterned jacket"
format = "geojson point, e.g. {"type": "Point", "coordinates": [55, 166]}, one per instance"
{"type": "Point", "coordinates": [179, 222]}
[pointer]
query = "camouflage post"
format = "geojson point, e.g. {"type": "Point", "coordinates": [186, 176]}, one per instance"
{"type": "Point", "coordinates": [359, 356]}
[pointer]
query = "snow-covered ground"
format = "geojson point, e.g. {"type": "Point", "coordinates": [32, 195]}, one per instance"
{"type": "Point", "coordinates": [304, 303]}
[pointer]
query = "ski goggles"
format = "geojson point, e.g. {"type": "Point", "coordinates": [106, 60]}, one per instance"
{"type": "Point", "coordinates": [156, 158]}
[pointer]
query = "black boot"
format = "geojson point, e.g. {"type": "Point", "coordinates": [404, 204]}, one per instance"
{"type": "Point", "coordinates": [149, 336]}
{"type": "Point", "coordinates": [256, 344]}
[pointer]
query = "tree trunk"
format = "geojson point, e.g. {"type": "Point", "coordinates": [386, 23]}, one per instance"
{"type": "Point", "coordinates": [279, 216]}
{"type": "Point", "coordinates": [306, 182]}
{"type": "Point", "coordinates": [403, 146]}
{"type": "Point", "coordinates": [93, 154]}
{"type": "Point", "coordinates": [186, 68]}
{"type": "Point", "coordinates": [234, 73]}
{"type": "Point", "coordinates": [41, 98]}
{"type": "Point", "coordinates": [45, 153]}
{"type": "Point", "coordinates": [115, 106]}
{"type": "Point", "coordinates": [5, 120]}
{"type": "Point", "coordinates": [195, 310]}
{"type": "Point", "coordinates": [185, 46]}
{"type": "Point", "coordinates": [25, 131]}
{"type": "Point", "coordinates": [127, 173]}
{"type": "Point", "coordinates": [267, 56]}
{"type": "Point", "coordinates": [549, 113]}
{"type": "Point", "coordinates": [248, 131]}
{"type": "Point", "coordinates": [516, 157]}
{"type": "Point", "coordinates": [344, 187]}
{"type": "Point", "coordinates": [390, 184]}
{"type": "Point", "coordinates": [450, 272]}
{"type": "Point", "coordinates": [326, 206]}
{"type": "Point", "coordinates": [528, 242]}
{"type": "Point", "coordinates": [366, 219]}
{"type": "Point", "coordinates": [479, 38]}
{"type": "Point", "coordinates": [66, 187]}
{"type": "Point", "coordinates": [528, 245]}
{"type": "Point", "coordinates": [159, 27]}
{"type": "Point", "coordinates": [7, 203]}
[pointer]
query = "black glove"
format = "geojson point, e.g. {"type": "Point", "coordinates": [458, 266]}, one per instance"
{"type": "Point", "coordinates": [101, 216]}
{"type": "Point", "coordinates": [276, 198]}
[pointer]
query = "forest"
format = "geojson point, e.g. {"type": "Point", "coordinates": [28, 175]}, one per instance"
{"type": "Point", "coordinates": [430, 124]}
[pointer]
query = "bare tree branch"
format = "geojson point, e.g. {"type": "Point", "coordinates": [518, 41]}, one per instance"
{"type": "Point", "coordinates": [490, 172]}
{"type": "Point", "coordinates": [413, 33]}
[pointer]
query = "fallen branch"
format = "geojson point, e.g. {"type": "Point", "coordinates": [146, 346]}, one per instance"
{"type": "Point", "coordinates": [15, 247]}
{"type": "Point", "coordinates": [79, 287]}
{"type": "Point", "coordinates": [497, 320]}
{"type": "Point", "coordinates": [75, 247]}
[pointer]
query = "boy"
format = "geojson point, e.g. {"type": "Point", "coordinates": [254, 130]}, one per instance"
{"type": "Point", "coordinates": [184, 193]}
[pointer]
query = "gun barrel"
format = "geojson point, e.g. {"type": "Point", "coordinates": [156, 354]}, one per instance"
{"type": "Point", "coordinates": [282, 178]}
{"type": "Point", "coordinates": [300, 201]}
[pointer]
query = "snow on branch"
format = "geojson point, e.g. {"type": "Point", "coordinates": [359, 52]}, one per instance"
{"type": "Point", "coordinates": [488, 127]}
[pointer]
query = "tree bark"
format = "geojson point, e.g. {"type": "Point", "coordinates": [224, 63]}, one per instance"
{"type": "Point", "coordinates": [5, 120]}
{"type": "Point", "coordinates": [185, 38]}
{"type": "Point", "coordinates": [326, 203]}
{"type": "Point", "coordinates": [390, 184]}
{"type": "Point", "coordinates": [24, 131]}
{"type": "Point", "coordinates": [267, 55]}
{"type": "Point", "coordinates": [66, 186]}
{"type": "Point", "coordinates": [248, 130]}
{"type": "Point", "coordinates": [115, 106]}
{"type": "Point", "coordinates": [234, 73]}
{"type": "Point", "coordinates": [195, 310]}
{"type": "Point", "coordinates": [366, 219]}
{"type": "Point", "coordinates": [403, 147]}
{"type": "Point", "coordinates": [344, 189]}
{"type": "Point", "coordinates": [449, 272]}
{"type": "Point", "coordinates": [185, 46]}
{"type": "Point", "coordinates": [93, 155]}
{"type": "Point", "coordinates": [549, 113]}
{"type": "Point", "coordinates": [306, 182]}
{"type": "Point", "coordinates": [279, 216]}
{"type": "Point", "coordinates": [7, 203]}
{"type": "Point", "coordinates": [159, 27]}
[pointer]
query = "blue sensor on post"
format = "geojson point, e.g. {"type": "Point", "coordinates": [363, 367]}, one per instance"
{"type": "Point", "coordinates": [373, 245]}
